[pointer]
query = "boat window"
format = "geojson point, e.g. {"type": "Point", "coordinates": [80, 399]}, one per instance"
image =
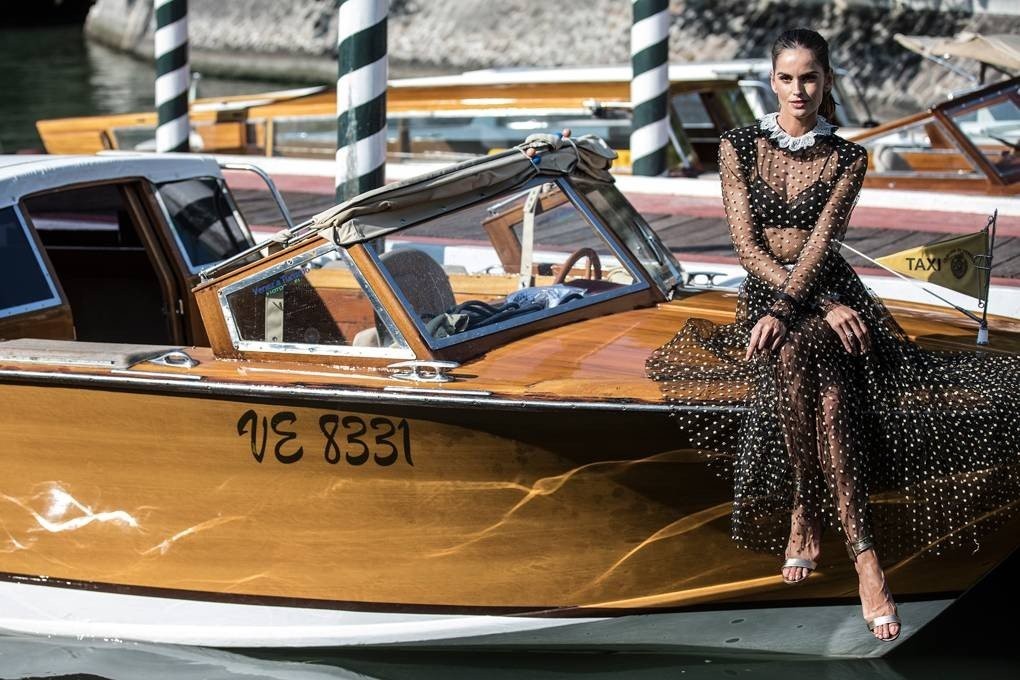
{"type": "Point", "coordinates": [993, 127]}
{"type": "Point", "coordinates": [689, 108]}
{"type": "Point", "coordinates": [204, 222]}
{"type": "Point", "coordinates": [503, 263]}
{"type": "Point", "coordinates": [25, 284]}
{"type": "Point", "coordinates": [924, 149]}
{"type": "Point", "coordinates": [631, 228]}
{"type": "Point", "coordinates": [316, 303]}
{"type": "Point", "coordinates": [302, 136]}
{"type": "Point", "coordinates": [94, 242]}
{"type": "Point", "coordinates": [737, 109]}
{"type": "Point", "coordinates": [135, 137]}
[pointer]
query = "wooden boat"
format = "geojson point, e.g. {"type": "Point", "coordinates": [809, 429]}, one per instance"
{"type": "Point", "coordinates": [446, 117]}
{"type": "Point", "coordinates": [400, 449]}
{"type": "Point", "coordinates": [969, 144]}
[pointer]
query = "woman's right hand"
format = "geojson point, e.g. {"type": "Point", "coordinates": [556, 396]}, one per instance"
{"type": "Point", "coordinates": [847, 324]}
{"type": "Point", "coordinates": [767, 334]}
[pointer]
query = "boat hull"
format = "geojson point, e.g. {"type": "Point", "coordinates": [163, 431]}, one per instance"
{"type": "Point", "coordinates": [307, 521]}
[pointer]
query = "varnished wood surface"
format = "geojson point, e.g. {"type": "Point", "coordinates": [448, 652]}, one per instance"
{"type": "Point", "coordinates": [53, 322]}
{"type": "Point", "coordinates": [494, 509]}
{"type": "Point", "coordinates": [600, 359]}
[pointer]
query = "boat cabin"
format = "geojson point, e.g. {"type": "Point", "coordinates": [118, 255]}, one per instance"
{"type": "Point", "coordinates": [108, 248]}
{"type": "Point", "coordinates": [968, 144]}
{"type": "Point", "coordinates": [444, 268]}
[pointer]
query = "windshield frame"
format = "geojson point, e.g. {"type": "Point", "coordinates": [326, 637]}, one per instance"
{"type": "Point", "coordinates": [402, 351]}
{"type": "Point", "coordinates": [666, 285]}
{"type": "Point", "coordinates": [948, 112]}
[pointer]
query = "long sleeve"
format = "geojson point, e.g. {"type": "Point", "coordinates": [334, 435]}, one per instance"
{"type": "Point", "coordinates": [737, 203]}
{"type": "Point", "coordinates": [831, 226]}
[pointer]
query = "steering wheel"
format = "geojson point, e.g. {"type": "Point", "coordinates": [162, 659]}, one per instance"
{"type": "Point", "coordinates": [594, 264]}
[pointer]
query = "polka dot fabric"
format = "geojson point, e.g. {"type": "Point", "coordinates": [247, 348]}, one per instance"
{"type": "Point", "coordinates": [916, 449]}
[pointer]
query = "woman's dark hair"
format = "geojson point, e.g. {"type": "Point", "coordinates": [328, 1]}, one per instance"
{"type": "Point", "coordinates": [809, 40]}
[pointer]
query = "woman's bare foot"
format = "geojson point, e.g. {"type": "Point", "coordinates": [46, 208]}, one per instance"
{"type": "Point", "coordinates": [805, 543]}
{"type": "Point", "coordinates": [876, 600]}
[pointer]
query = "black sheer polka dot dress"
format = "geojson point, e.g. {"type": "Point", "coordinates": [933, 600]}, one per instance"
{"type": "Point", "coordinates": [914, 449]}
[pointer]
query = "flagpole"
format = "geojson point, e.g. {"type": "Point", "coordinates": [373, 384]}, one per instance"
{"type": "Point", "coordinates": [982, 338]}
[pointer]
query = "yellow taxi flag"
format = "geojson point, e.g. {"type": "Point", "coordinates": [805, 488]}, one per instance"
{"type": "Point", "coordinates": [961, 263]}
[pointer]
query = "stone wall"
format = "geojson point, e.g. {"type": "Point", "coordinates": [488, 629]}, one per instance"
{"type": "Point", "coordinates": [293, 40]}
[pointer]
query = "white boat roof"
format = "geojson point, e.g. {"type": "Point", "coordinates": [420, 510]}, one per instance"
{"type": "Point", "coordinates": [24, 175]}
{"type": "Point", "coordinates": [694, 71]}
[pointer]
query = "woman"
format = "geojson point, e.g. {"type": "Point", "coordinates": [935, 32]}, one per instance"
{"type": "Point", "coordinates": [840, 405]}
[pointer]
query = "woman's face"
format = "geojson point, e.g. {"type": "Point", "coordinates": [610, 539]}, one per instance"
{"type": "Point", "coordinates": [800, 82]}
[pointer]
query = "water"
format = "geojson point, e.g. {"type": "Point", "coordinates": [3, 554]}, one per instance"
{"type": "Point", "coordinates": [49, 73]}
{"type": "Point", "coordinates": [55, 73]}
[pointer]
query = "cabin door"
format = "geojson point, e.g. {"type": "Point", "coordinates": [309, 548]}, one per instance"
{"type": "Point", "coordinates": [109, 262]}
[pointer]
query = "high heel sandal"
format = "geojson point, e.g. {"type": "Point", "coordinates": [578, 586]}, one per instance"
{"type": "Point", "coordinates": [855, 548]}
{"type": "Point", "coordinates": [801, 562]}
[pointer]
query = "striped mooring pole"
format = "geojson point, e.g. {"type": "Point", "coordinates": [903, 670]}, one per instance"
{"type": "Point", "coordinates": [361, 97]}
{"type": "Point", "coordinates": [173, 76]}
{"type": "Point", "coordinates": [649, 87]}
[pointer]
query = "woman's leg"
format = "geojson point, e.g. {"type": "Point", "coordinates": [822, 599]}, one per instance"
{"type": "Point", "coordinates": [839, 460]}
{"type": "Point", "coordinates": [798, 404]}
{"type": "Point", "coordinates": [815, 383]}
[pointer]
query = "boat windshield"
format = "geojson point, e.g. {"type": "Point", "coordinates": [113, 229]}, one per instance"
{"type": "Point", "coordinates": [635, 232]}
{"type": "Point", "coordinates": [533, 254]}
{"type": "Point", "coordinates": [922, 149]}
{"type": "Point", "coordinates": [314, 303]}
{"type": "Point", "coordinates": [992, 124]}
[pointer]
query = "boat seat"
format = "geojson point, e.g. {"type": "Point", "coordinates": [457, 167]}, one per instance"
{"type": "Point", "coordinates": [423, 282]}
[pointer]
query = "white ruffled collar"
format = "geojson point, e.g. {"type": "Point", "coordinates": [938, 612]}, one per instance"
{"type": "Point", "coordinates": [770, 124]}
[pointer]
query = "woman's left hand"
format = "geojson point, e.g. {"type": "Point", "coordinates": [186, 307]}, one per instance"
{"type": "Point", "coordinates": [847, 324]}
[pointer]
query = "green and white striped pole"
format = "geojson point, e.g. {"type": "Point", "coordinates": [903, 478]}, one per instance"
{"type": "Point", "coordinates": [649, 86]}
{"type": "Point", "coordinates": [172, 75]}
{"type": "Point", "coordinates": [361, 97]}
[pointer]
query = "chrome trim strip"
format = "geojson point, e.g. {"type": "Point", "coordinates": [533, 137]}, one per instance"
{"type": "Point", "coordinates": [54, 299]}
{"type": "Point", "coordinates": [157, 374]}
{"type": "Point", "coordinates": [280, 203]}
{"type": "Point", "coordinates": [305, 392]}
{"type": "Point", "coordinates": [436, 390]}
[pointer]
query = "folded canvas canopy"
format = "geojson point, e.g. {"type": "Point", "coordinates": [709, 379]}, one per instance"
{"type": "Point", "coordinates": [1001, 51]}
{"type": "Point", "coordinates": [396, 207]}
